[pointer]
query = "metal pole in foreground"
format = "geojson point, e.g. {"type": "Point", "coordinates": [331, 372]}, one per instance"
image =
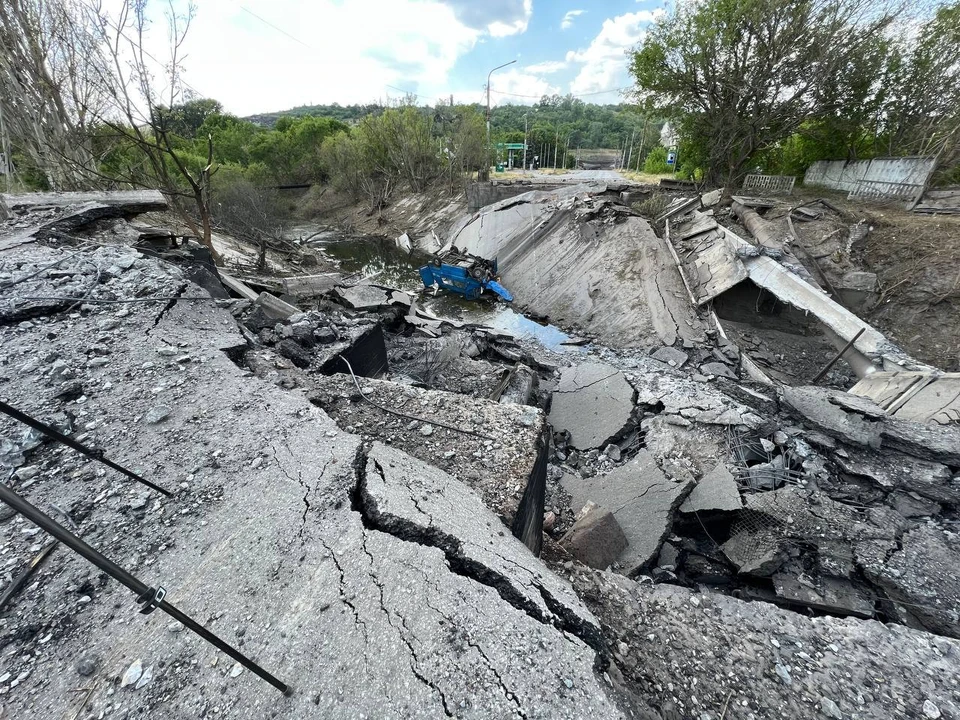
{"type": "Point", "coordinates": [70, 442]}
{"type": "Point", "coordinates": [148, 597]}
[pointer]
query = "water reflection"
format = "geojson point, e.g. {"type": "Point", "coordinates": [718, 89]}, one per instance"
{"type": "Point", "coordinates": [378, 260]}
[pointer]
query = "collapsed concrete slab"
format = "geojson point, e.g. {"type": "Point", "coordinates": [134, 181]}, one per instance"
{"type": "Point", "coordinates": [557, 252]}
{"type": "Point", "coordinates": [496, 449]}
{"type": "Point", "coordinates": [641, 498]}
{"type": "Point", "coordinates": [728, 260]}
{"type": "Point", "coordinates": [717, 491]}
{"type": "Point", "coordinates": [694, 654]}
{"type": "Point", "coordinates": [924, 397]}
{"type": "Point", "coordinates": [866, 424]}
{"type": "Point", "coordinates": [308, 286]}
{"type": "Point", "coordinates": [409, 499]}
{"type": "Point", "coordinates": [593, 402]}
{"type": "Point", "coordinates": [129, 201]}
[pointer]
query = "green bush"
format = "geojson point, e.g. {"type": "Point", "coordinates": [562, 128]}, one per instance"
{"type": "Point", "coordinates": [656, 162]}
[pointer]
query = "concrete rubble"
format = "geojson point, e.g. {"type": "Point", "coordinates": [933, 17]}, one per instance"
{"type": "Point", "coordinates": [404, 514]}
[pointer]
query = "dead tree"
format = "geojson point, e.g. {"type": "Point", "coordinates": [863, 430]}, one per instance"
{"type": "Point", "coordinates": [47, 65]}
{"type": "Point", "coordinates": [138, 115]}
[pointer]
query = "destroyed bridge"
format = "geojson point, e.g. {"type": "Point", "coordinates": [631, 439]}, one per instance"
{"type": "Point", "coordinates": [227, 495]}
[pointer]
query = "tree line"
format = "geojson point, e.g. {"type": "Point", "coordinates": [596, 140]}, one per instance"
{"type": "Point", "coordinates": [779, 84]}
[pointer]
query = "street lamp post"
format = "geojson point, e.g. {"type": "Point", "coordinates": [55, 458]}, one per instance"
{"type": "Point", "coordinates": [486, 167]}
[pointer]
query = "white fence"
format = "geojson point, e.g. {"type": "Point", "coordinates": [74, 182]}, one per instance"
{"type": "Point", "coordinates": [903, 178]}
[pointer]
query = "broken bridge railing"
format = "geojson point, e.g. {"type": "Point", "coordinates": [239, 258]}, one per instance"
{"type": "Point", "coordinates": [770, 184]}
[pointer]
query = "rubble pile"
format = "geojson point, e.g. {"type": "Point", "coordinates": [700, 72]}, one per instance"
{"type": "Point", "coordinates": [362, 488]}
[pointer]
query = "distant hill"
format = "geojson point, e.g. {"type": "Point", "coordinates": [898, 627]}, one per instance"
{"type": "Point", "coordinates": [566, 121]}
{"type": "Point", "coordinates": [344, 113]}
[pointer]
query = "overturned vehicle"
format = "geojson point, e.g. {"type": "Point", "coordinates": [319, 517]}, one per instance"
{"type": "Point", "coordinates": [464, 274]}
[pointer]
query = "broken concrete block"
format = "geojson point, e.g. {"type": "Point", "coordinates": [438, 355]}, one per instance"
{"type": "Point", "coordinates": [716, 491]}
{"type": "Point", "coordinates": [295, 353]}
{"type": "Point", "coordinates": [718, 369]}
{"type": "Point", "coordinates": [593, 402]}
{"type": "Point", "coordinates": [755, 553]}
{"type": "Point", "coordinates": [670, 356]}
{"type": "Point", "coordinates": [711, 198]}
{"type": "Point", "coordinates": [595, 539]}
{"type": "Point", "coordinates": [643, 499]}
{"type": "Point", "coordinates": [364, 297]}
{"type": "Point", "coordinates": [669, 556]}
{"type": "Point", "coordinates": [310, 285]}
{"type": "Point", "coordinates": [268, 310]}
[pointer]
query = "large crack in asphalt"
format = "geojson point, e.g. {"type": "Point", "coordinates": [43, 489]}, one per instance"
{"type": "Point", "coordinates": [563, 618]}
{"type": "Point", "coordinates": [168, 306]}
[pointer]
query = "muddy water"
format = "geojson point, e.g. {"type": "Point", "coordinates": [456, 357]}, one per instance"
{"type": "Point", "coordinates": [379, 260]}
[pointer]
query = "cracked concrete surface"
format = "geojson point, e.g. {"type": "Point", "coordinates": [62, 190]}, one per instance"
{"type": "Point", "coordinates": [413, 500]}
{"type": "Point", "coordinates": [261, 544]}
{"type": "Point", "coordinates": [593, 402]}
{"type": "Point", "coordinates": [641, 498]}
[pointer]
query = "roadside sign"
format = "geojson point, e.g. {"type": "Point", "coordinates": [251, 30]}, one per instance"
{"type": "Point", "coordinates": [671, 157]}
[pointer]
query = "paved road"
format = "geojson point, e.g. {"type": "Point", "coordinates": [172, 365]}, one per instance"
{"type": "Point", "coordinates": [571, 177]}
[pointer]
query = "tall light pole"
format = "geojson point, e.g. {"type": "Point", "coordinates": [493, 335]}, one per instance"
{"type": "Point", "coordinates": [486, 171]}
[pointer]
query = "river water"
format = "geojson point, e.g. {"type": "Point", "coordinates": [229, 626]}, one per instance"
{"type": "Point", "coordinates": [378, 260]}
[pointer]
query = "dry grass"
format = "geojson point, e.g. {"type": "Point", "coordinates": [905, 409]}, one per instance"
{"type": "Point", "coordinates": [642, 177]}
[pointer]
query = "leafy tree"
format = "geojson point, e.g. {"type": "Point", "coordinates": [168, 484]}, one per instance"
{"type": "Point", "coordinates": [922, 107]}
{"type": "Point", "coordinates": [741, 75]}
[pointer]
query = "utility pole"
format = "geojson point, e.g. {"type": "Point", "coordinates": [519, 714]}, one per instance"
{"type": "Point", "coordinates": [525, 140]}
{"type": "Point", "coordinates": [486, 165]}
{"type": "Point", "coordinates": [633, 135]}
{"type": "Point", "coordinates": [643, 137]}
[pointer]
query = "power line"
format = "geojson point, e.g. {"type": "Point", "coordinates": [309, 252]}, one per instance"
{"type": "Point", "coordinates": [279, 30]}
{"type": "Point", "coordinates": [408, 92]}
{"type": "Point", "coordinates": [579, 95]}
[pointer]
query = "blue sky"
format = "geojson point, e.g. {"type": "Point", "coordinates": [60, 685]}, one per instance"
{"type": "Point", "coordinates": [262, 55]}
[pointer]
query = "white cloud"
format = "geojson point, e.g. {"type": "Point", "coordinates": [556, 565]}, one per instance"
{"type": "Point", "coordinates": [499, 18]}
{"type": "Point", "coordinates": [567, 21]}
{"type": "Point", "coordinates": [605, 60]}
{"type": "Point", "coordinates": [518, 87]}
{"type": "Point", "coordinates": [350, 51]}
{"type": "Point", "coordinates": [546, 68]}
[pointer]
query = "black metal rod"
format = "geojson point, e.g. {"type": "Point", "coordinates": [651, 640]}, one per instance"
{"type": "Point", "coordinates": [70, 442]}
{"type": "Point", "coordinates": [51, 526]}
{"type": "Point", "coordinates": [820, 375]}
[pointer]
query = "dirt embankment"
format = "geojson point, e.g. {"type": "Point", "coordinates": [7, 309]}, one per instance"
{"type": "Point", "coordinates": [917, 261]}
{"type": "Point", "coordinates": [417, 214]}
{"type": "Point", "coordinates": [915, 257]}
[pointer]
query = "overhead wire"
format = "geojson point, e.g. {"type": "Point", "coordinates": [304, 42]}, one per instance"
{"type": "Point", "coordinates": [278, 29]}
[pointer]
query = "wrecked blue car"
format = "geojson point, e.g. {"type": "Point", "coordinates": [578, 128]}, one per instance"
{"type": "Point", "coordinates": [465, 275]}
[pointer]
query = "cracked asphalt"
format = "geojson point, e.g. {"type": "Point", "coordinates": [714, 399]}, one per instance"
{"type": "Point", "coordinates": [267, 542]}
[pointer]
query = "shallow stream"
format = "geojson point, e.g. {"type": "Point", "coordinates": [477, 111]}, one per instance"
{"type": "Point", "coordinates": [378, 260]}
